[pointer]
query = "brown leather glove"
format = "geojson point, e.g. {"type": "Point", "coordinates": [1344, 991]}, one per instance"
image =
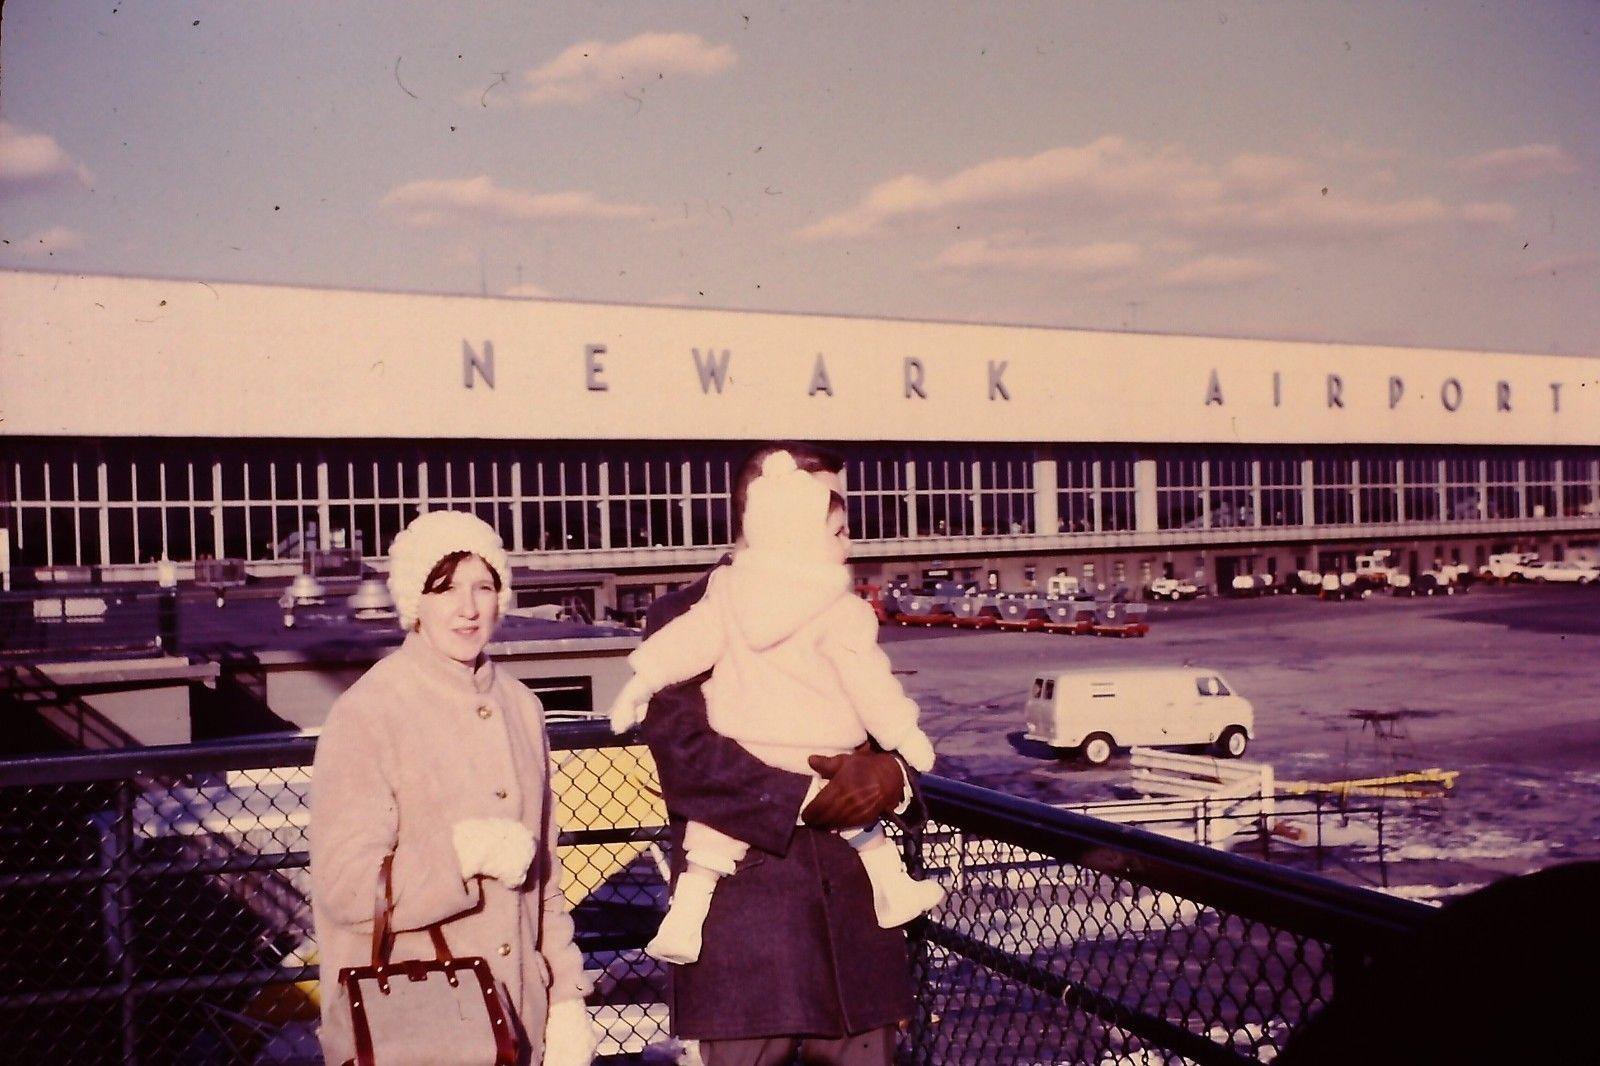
{"type": "Point", "coordinates": [863, 786]}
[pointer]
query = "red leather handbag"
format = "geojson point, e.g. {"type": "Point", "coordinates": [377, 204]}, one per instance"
{"type": "Point", "coordinates": [445, 1011]}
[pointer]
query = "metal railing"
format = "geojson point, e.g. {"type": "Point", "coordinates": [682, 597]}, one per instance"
{"type": "Point", "coordinates": [79, 620]}
{"type": "Point", "coordinates": [154, 909]}
{"type": "Point", "coordinates": [1067, 939]}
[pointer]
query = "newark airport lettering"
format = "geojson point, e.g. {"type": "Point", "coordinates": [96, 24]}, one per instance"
{"type": "Point", "coordinates": [1451, 392]}
{"type": "Point", "coordinates": [713, 368]}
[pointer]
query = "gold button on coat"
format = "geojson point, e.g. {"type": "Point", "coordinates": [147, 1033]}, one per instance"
{"type": "Point", "coordinates": [500, 793]}
{"type": "Point", "coordinates": [505, 949]}
{"type": "Point", "coordinates": [484, 712]}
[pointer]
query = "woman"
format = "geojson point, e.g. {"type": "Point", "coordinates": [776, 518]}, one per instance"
{"type": "Point", "coordinates": [439, 759]}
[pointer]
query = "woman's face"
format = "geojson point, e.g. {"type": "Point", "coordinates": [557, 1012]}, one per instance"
{"type": "Point", "coordinates": [459, 619]}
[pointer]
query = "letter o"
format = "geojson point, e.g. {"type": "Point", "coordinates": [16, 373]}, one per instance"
{"type": "Point", "coordinates": [1450, 394]}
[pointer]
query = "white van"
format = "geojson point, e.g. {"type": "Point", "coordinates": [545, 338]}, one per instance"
{"type": "Point", "coordinates": [1097, 711]}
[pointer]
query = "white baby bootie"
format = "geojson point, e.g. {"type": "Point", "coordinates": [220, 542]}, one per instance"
{"type": "Point", "coordinates": [678, 939]}
{"type": "Point", "coordinates": [896, 895]}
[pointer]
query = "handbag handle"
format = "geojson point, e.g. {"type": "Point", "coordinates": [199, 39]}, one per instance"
{"type": "Point", "coordinates": [383, 919]}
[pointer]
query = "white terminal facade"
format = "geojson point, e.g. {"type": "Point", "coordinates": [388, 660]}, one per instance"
{"type": "Point", "coordinates": [148, 417]}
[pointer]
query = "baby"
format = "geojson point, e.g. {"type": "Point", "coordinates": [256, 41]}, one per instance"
{"type": "Point", "coordinates": [795, 670]}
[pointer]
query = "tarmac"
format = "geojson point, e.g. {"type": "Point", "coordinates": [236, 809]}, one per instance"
{"type": "Point", "coordinates": [1501, 684]}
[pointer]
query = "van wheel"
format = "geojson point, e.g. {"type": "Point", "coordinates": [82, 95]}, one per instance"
{"type": "Point", "coordinates": [1232, 743]}
{"type": "Point", "coordinates": [1096, 750]}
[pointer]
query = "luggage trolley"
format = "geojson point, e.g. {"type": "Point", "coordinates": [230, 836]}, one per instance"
{"type": "Point", "coordinates": [1121, 619]}
{"type": "Point", "coordinates": [974, 612]}
{"type": "Point", "coordinates": [923, 611]}
{"type": "Point", "coordinates": [1024, 615]}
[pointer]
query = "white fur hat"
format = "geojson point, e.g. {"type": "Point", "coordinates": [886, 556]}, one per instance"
{"type": "Point", "coordinates": [429, 538]}
{"type": "Point", "coordinates": [786, 509]}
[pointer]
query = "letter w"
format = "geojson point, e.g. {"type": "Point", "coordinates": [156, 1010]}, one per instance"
{"type": "Point", "coordinates": [712, 372]}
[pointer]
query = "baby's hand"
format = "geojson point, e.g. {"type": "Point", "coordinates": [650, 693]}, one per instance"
{"type": "Point", "coordinates": [628, 709]}
{"type": "Point", "coordinates": [917, 751]}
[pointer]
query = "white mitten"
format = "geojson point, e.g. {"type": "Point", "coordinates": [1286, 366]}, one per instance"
{"type": "Point", "coordinates": [917, 750]}
{"type": "Point", "coordinates": [628, 709]}
{"type": "Point", "coordinates": [500, 848]}
{"type": "Point", "coordinates": [569, 1036]}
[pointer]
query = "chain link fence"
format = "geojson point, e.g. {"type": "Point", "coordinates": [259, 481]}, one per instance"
{"type": "Point", "coordinates": [154, 909]}
{"type": "Point", "coordinates": [1065, 939]}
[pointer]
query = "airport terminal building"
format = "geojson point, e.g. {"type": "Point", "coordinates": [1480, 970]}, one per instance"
{"type": "Point", "coordinates": [148, 418]}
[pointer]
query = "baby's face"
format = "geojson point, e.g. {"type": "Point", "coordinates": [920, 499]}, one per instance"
{"type": "Point", "coordinates": [838, 534]}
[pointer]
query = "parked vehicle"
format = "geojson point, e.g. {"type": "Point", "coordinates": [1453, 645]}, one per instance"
{"type": "Point", "coordinates": [1096, 711]}
{"type": "Point", "coordinates": [1171, 588]}
{"type": "Point", "coordinates": [1507, 566]}
{"type": "Point", "coordinates": [1345, 586]}
{"type": "Point", "coordinates": [1374, 569]}
{"type": "Point", "coordinates": [1567, 571]}
{"type": "Point", "coordinates": [1251, 585]}
{"type": "Point", "coordinates": [1306, 582]}
{"type": "Point", "coordinates": [1063, 587]}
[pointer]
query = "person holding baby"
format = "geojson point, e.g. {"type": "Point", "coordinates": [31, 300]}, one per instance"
{"type": "Point", "coordinates": [784, 929]}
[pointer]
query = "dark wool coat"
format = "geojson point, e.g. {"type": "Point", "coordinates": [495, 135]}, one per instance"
{"type": "Point", "coordinates": [792, 945]}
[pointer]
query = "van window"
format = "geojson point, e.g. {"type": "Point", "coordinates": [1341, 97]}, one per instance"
{"type": "Point", "coordinates": [1211, 686]}
{"type": "Point", "coordinates": [1038, 687]}
{"type": "Point", "coordinates": [1050, 688]}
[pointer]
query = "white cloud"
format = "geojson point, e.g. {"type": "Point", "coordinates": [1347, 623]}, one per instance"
{"type": "Point", "coordinates": [1561, 264]}
{"type": "Point", "coordinates": [1080, 261]}
{"type": "Point", "coordinates": [33, 161]}
{"type": "Point", "coordinates": [426, 204]}
{"type": "Point", "coordinates": [1250, 197]}
{"type": "Point", "coordinates": [1527, 162]}
{"type": "Point", "coordinates": [1307, 215]}
{"type": "Point", "coordinates": [47, 243]}
{"type": "Point", "coordinates": [1266, 173]}
{"type": "Point", "coordinates": [588, 69]}
{"type": "Point", "coordinates": [1217, 271]}
{"type": "Point", "coordinates": [1103, 170]}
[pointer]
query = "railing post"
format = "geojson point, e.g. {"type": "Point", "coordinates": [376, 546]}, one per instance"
{"type": "Point", "coordinates": [1383, 855]}
{"type": "Point", "coordinates": [121, 908]}
{"type": "Point", "coordinates": [912, 846]}
{"type": "Point", "coordinates": [1319, 830]}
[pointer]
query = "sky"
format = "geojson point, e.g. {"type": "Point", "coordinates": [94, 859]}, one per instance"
{"type": "Point", "coordinates": [1415, 174]}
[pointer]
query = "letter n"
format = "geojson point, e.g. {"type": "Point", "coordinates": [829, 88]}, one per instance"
{"type": "Point", "coordinates": [470, 362]}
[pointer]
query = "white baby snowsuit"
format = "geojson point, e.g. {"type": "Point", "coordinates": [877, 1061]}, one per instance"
{"type": "Point", "coordinates": [796, 671]}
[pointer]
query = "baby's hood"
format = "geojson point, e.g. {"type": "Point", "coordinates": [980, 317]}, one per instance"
{"type": "Point", "coordinates": [771, 596]}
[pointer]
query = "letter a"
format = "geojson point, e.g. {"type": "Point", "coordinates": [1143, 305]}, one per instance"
{"type": "Point", "coordinates": [1214, 390]}
{"type": "Point", "coordinates": [819, 378]}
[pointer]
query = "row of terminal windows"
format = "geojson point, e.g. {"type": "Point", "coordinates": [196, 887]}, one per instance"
{"type": "Point", "coordinates": [1268, 490]}
{"type": "Point", "coordinates": [87, 503]}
